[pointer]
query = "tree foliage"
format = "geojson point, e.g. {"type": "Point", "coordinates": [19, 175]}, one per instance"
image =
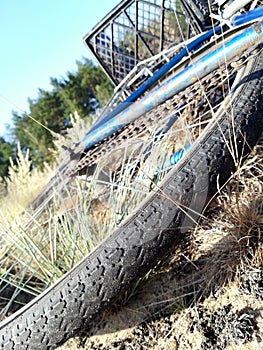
{"type": "Point", "coordinates": [6, 151]}
{"type": "Point", "coordinates": [81, 91]}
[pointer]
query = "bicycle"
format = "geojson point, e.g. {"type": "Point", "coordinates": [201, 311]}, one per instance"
{"type": "Point", "coordinates": [212, 90]}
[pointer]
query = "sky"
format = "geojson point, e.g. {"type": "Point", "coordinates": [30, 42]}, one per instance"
{"type": "Point", "coordinates": [40, 39]}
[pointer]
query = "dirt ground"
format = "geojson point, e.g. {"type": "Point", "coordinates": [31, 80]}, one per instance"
{"type": "Point", "coordinates": [183, 309]}
{"type": "Point", "coordinates": [208, 294]}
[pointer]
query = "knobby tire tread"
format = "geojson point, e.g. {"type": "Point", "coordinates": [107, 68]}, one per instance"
{"type": "Point", "coordinates": [146, 236]}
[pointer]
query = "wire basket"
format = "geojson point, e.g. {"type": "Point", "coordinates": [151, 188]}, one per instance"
{"type": "Point", "coordinates": [133, 31]}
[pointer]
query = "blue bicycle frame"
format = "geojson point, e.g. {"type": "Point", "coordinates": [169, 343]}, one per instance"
{"type": "Point", "coordinates": [247, 32]}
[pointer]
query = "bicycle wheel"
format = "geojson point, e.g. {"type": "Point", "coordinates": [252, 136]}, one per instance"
{"type": "Point", "coordinates": [221, 118]}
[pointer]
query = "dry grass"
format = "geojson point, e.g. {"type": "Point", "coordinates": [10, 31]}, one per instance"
{"type": "Point", "coordinates": [208, 296]}
{"type": "Point", "coordinates": [39, 247]}
{"type": "Point", "coordinates": [182, 306]}
{"type": "Point", "coordinates": [22, 184]}
{"type": "Point", "coordinates": [234, 231]}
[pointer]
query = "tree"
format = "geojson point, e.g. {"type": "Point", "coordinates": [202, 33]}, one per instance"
{"type": "Point", "coordinates": [48, 111]}
{"type": "Point", "coordinates": [81, 91]}
{"type": "Point", "coordinates": [6, 151]}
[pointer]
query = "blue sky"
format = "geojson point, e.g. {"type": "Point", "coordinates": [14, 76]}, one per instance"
{"type": "Point", "coordinates": [41, 39]}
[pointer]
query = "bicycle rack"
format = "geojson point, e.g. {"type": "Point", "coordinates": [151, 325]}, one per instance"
{"type": "Point", "coordinates": [133, 31]}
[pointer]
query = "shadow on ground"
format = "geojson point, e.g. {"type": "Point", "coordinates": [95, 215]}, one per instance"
{"type": "Point", "coordinates": [195, 300]}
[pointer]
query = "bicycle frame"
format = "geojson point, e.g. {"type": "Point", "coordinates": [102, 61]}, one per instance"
{"type": "Point", "coordinates": [163, 210]}
{"type": "Point", "coordinates": [247, 32]}
{"type": "Point", "coordinates": [229, 8]}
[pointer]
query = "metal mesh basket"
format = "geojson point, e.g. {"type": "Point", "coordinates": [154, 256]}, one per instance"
{"type": "Point", "coordinates": [133, 31]}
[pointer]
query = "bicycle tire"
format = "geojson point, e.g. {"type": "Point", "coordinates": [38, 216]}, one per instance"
{"type": "Point", "coordinates": [197, 14]}
{"type": "Point", "coordinates": [167, 214]}
{"type": "Point", "coordinates": [159, 224]}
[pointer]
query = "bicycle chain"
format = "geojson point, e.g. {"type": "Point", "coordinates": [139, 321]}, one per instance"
{"type": "Point", "coordinates": [79, 160]}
